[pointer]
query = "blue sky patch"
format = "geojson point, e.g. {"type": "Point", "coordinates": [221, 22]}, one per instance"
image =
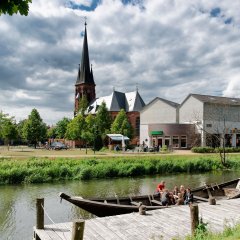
{"type": "Point", "coordinates": [228, 21]}
{"type": "Point", "coordinates": [134, 3]}
{"type": "Point", "coordinates": [92, 7]}
{"type": "Point", "coordinates": [215, 12]}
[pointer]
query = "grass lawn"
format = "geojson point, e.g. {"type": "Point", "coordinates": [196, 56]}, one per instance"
{"type": "Point", "coordinates": [24, 152]}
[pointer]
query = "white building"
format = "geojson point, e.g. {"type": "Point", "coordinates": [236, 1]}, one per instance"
{"type": "Point", "coordinates": [215, 117]}
{"type": "Point", "coordinates": [216, 121]}
{"type": "Point", "coordinates": [159, 125]}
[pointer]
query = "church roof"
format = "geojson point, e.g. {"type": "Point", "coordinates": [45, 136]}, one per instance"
{"type": "Point", "coordinates": [85, 74]}
{"type": "Point", "coordinates": [130, 102]}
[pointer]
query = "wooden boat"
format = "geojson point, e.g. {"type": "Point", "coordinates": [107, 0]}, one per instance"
{"type": "Point", "coordinates": [122, 205]}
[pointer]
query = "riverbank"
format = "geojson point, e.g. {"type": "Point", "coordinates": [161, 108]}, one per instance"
{"type": "Point", "coordinates": [41, 170]}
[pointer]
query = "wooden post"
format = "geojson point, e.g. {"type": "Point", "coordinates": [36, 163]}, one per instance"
{"type": "Point", "coordinates": [40, 213]}
{"type": "Point", "coordinates": [142, 210]}
{"type": "Point", "coordinates": [212, 201]}
{"type": "Point", "coordinates": [78, 229]}
{"type": "Point", "coordinates": [194, 217]}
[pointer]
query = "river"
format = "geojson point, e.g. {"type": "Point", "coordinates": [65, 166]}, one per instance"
{"type": "Point", "coordinates": [17, 202]}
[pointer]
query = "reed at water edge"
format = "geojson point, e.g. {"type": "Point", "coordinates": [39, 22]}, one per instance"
{"type": "Point", "coordinates": [42, 170]}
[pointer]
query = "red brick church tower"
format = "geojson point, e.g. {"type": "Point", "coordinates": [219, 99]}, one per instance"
{"type": "Point", "coordinates": [85, 85]}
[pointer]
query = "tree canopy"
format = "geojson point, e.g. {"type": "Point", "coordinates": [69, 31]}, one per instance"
{"type": "Point", "coordinates": [14, 6]}
{"type": "Point", "coordinates": [61, 127]}
{"type": "Point", "coordinates": [121, 125]}
{"type": "Point", "coordinates": [75, 128]}
{"type": "Point", "coordinates": [8, 129]}
{"type": "Point", "coordinates": [34, 129]}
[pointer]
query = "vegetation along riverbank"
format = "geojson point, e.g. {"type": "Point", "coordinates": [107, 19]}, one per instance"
{"type": "Point", "coordinates": [39, 170]}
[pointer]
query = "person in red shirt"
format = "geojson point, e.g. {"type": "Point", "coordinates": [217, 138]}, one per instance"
{"type": "Point", "coordinates": [160, 187]}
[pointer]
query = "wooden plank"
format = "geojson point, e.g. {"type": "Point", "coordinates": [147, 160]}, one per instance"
{"type": "Point", "coordinates": [157, 224]}
{"type": "Point", "coordinates": [156, 202]}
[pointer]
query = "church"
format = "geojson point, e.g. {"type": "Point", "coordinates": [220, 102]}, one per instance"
{"type": "Point", "coordinates": [131, 102]}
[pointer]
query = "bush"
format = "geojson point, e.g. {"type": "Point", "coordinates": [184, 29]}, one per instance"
{"type": "Point", "coordinates": [203, 149]}
{"type": "Point", "coordinates": [214, 150]}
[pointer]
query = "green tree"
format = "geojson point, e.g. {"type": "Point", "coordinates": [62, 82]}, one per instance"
{"type": "Point", "coordinates": [61, 127]}
{"type": "Point", "coordinates": [75, 128]}
{"type": "Point", "coordinates": [103, 121]}
{"type": "Point", "coordinates": [121, 125]}
{"type": "Point", "coordinates": [51, 132]}
{"type": "Point", "coordinates": [8, 129]}
{"type": "Point", "coordinates": [20, 134]}
{"type": "Point", "coordinates": [34, 129]}
{"type": "Point", "coordinates": [14, 6]}
{"type": "Point", "coordinates": [82, 105]}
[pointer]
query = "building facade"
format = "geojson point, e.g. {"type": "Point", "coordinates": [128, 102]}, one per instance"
{"type": "Point", "coordinates": [217, 119]}
{"type": "Point", "coordinates": [200, 120]}
{"type": "Point", "coordinates": [85, 85]}
{"type": "Point", "coordinates": [159, 125]}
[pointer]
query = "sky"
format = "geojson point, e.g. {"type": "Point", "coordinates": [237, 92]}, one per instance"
{"type": "Point", "coordinates": [165, 48]}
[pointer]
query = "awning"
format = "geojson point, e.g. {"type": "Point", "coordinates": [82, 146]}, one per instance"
{"type": "Point", "coordinates": [118, 137]}
{"type": "Point", "coordinates": [154, 133]}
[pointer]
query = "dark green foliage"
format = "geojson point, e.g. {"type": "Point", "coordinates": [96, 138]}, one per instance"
{"type": "Point", "coordinates": [214, 150]}
{"type": "Point", "coordinates": [34, 129]}
{"type": "Point", "coordinates": [42, 170]}
{"type": "Point", "coordinates": [202, 149]}
{"type": "Point", "coordinates": [14, 6]}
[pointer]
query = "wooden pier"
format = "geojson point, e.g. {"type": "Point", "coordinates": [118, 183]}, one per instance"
{"type": "Point", "coordinates": [158, 224]}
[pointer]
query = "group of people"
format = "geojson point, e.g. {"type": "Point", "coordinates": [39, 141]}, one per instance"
{"type": "Point", "coordinates": [178, 196]}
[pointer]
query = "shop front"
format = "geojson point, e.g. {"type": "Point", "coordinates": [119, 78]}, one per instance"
{"type": "Point", "coordinates": [173, 136]}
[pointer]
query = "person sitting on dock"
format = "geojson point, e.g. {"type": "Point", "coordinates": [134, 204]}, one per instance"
{"type": "Point", "coordinates": [175, 192]}
{"type": "Point", "coordinates": [189, 197]}
{"type": "Point", "coordinates": [183, 191]}
{"type": "Point", "coordinates": [165, 197]}
{"type": "Point", "coordinates": [180, 199]}
{"type": "Point", "coordinates": [160, 187]}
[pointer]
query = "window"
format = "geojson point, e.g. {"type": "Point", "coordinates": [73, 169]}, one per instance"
{"type": "Point", "coordinates": [137, 128]}
{"type": "Point", "coordinates": [183, 141]}
{"type": "Point", "coordinates": [208, 125]}
{"type": "Point", "coordinates": [175, 141]}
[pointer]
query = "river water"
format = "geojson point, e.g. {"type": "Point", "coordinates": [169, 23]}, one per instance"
{"type": "Point", "coordinates": [17, 202]}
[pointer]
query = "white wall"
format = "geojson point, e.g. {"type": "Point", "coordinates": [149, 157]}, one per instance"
{"type": "Point", "coordinates": [191, 111]}
{"type": "Point", "coordinates": [144, 134]}
{"type": "Point", "coordinates": [158, 112]}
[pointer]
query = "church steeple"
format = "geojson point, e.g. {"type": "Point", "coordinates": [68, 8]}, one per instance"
{"type": "Point", "coordinates": [85, 73]}
{"type": "Point", "coordinates": [85, 85]}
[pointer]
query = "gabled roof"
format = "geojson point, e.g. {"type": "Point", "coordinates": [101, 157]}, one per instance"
{"type": "Point", "coordinates": [85, 75]}
{"type": "Point", "coordinates": [214, 99]}
{"type": "Point", "coordinates": [170, 103]}
{"type": "Point", "coordinates": [130, 102]}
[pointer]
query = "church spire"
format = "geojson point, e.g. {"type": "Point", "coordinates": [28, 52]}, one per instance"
{"type": "Point", "coordinates": [85, 73]}
{"type": "Point", "coordinates": [85, 85]}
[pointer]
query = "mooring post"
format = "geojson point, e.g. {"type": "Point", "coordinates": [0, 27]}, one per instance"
{"type": "Point", "coordinates": [142, 209]}
{"type": "Point", "coordinates": [194, 217]}
{"type": "Point", "coordinates": [212, 201]}
{"type": "Point", "coordinates": [40, 213]}
{"type": "Point", "coordinates": [78, 229]}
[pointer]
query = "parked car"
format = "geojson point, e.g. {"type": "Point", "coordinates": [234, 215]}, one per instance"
{"type": "Point", "coordinates": [58, 146]}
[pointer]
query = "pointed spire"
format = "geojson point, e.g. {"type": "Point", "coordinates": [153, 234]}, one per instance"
{"type": "Point", "coordinates": [85, 74]}
{"type": "Point", "coordinates": [136, 87]}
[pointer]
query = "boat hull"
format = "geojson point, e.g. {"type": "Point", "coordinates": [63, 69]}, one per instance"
{"type": "Point", "coordinates": [115, 206]}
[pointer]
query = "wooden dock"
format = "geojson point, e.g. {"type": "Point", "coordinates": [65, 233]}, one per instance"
{"type": "Point", "coordinates": [158, 224]}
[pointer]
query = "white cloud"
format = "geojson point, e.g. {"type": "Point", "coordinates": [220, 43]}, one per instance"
{"type": "Point", "coordinates": [233, 87]}
{"type": "Point", "coordinates": [170, 48]}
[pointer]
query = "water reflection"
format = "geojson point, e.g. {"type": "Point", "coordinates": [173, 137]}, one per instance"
{"type": "Point", "coordinates": [17, 203]}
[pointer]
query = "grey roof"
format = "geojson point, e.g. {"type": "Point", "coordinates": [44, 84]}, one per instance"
{"type": "Point", "coordinates": [85, 74]}
{"type": "Point", "coordinates": [130, 102]}
{"type": "Point", "coordinates": [215, 99]}
{"type": "Point", "coordinates": [173, 104]}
